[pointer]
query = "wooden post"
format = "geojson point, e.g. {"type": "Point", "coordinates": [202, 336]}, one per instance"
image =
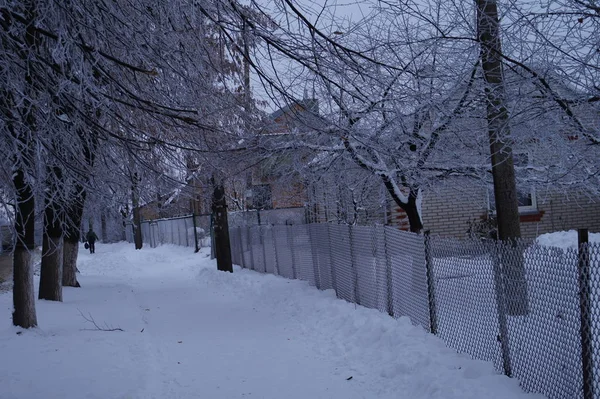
{"type": "Point", "coordinates": [585, 314]}
{"type": "Point", "coordinates": [221, 230]}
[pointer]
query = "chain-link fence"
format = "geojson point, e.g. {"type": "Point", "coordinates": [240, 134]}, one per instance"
{"type": "Point", "coordinates": [531, 310]}
{"type": "Point", "coordinates": [278, 216]}
{"type": "Point", "coordinates": [177, 231]}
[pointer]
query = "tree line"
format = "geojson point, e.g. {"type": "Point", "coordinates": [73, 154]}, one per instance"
{"type": "Point", "coordinates": [122, 101]}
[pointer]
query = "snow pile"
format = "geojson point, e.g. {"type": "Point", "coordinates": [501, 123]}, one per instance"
{"type": "Point", "coordinates": [190, 331]}
{"type": "Point", "coordinates": [564, 239]}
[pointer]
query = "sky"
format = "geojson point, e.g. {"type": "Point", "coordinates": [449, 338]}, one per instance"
{"type": "Point", "coordinates": [329, 15]}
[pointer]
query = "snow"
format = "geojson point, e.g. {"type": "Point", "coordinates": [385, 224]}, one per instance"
{"type": "Point", "coordinates": [191, 331]}
{"type": "Point", "coordinates": [564, 239]}
{"type": "Point", "coordinates": [467, 313]}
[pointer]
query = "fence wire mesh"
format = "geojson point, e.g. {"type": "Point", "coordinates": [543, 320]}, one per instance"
{"type": "Point", "coordinates": [533, 311]}
{"type": "Point", "coordinates": [176, 231]}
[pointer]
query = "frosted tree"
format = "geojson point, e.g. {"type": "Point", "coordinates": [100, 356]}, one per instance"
{"type": "Point", "coordinates": [409, 80]}
{"type": "Point", "coordinates": [366, 108]}
{"type": "Point", "coordinates": [82, 75]}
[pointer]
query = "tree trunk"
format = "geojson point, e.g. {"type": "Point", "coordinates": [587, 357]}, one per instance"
{"type": "Point", "coordinates": [51, 273]}
{"type": "Point", "coordinates": [70, 253]}
{"type": "Point", "coordinates": [503, 172]}
{"type": "Point", "coordinates": [410, 207]}
{"type": "Point", "coordinates": [123, 224]}
{"type": "Point", "coordinates": [72, 237]}
{"type": "Point", "coordinates": [24, 314]}
{"type": "Point", "coordinates": [221, 230]}
{"type": "Point", "coordinates": [414, 219]}
{"type": "Point", "coordinates": [52, 249]}
{"type": "Point", "coordinates": [23, 293]}
{"type": "Point", "coordinates": [103, 233]}
{"type": "Point", "coordinates": [137, 228]}
{"type": "Point", "coordinates": [137, 217]}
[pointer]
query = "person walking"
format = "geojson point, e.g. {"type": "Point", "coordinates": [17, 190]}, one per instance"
{"type": "Point", "coordinates": [91, 239]}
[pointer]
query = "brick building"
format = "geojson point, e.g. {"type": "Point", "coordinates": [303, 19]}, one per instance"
{"type": "Point", "coordinates": [449, 211]}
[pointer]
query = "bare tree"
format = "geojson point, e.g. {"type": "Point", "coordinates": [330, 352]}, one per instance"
{"type": "Point", "coordinates": [407, 81]}
{"type": "Point", "coordinates": [136, 65]}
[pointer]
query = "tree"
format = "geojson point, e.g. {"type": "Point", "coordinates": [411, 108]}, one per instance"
{"type": "Point", "coordinates": [365, 114]}
{"type": "Point", "coordinates": [74, 207]}
{"type": "Point", "coordinates": [134, 64]}
{"type": "Point", "coordinates": [221, 229]}
{"type": "Point", "coordinates": [503, 172]}
{"type": "Point", "coordinates": [396, 97]}
{"type": "Point", "coordinates": [20, 86]}
{"type": "Point", "coordinates": [51, 272]}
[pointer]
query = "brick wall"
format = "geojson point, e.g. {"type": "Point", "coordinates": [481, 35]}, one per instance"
{"type": "Point", "coordinates": [447, 212]}
{"type": "Point", "coordinates": [562, 213]}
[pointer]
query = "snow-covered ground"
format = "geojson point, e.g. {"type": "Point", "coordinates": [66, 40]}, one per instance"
{"type": "Point", "coordinates": [192, 332]}
{"type": "Point", "coordinates": [564, 239]}
{"type": "Point", "coordinates": [544, 346]}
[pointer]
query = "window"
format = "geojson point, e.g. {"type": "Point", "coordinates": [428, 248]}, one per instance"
{"type": "Point", "coordinates": [525, 197]}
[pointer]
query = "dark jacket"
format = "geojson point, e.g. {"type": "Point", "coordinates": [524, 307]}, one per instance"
{"type": "Point", "coordinates": [91, 236]}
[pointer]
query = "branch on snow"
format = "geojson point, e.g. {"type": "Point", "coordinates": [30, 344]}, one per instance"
{"type": "Point", "coordinates": [91, 320]}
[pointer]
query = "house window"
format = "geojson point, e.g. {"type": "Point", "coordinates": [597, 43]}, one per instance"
{"type": "Point", "coordinates": [261, 197]}
{"type": "Point", "coordinates": [525, 197]}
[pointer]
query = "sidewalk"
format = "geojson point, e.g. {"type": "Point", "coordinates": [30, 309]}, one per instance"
{"type": "Point", "coordinates": [168, 325]}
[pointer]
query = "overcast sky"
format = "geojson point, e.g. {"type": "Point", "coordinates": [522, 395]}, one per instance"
{"type": "Point", "coordinates": [328, 15]}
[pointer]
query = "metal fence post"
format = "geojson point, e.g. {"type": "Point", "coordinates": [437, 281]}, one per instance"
{"type": "Point", "coordinates": [314, 248]}
{"type": "Point", "coordinates": [498, 247]}
{"type": "Point", "coordinates": [172, 232]}
{"type": "Point", "coordinates": [353, 265]}
{"type": "Point", "coordinates": [241, 246]}
{"type": "Point", "coordinates": [585, 314]}
{"type": "Point", "coordinates": [213, 254]}
{"type": "Point", "coordinates": [234, 244]}
{"type": "Point", "coordinates": [291, 242]}
{"type": "Point", "coordinates": [332, 263]}
{"type": "Point", "coordinates": [187, 236]}
{"type": "Point", "coordinates": [276, 266]}
{"type": "Point", "coordinates": [433, 327]}
{"type": "Point", "coordinates": [262, 244]}
{"type": "Point", "coordinates": [388, 275]}
{"type": "Point", "coordinates": [251, 246]}
{"type": "Point", "coordinates": [197, 249]}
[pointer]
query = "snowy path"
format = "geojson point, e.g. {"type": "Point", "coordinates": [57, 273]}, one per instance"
{"type": "Point", "coordinates": [193, 332]}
